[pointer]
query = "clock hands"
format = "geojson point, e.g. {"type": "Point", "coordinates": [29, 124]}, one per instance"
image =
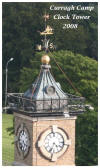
{"type": "Point", "coordinates": [54, 142]}
{"type": "Point", "coordinates": [23, 140]}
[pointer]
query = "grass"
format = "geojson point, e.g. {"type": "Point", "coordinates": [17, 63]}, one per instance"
{"type": "Point", "coordinates": [7, 139]}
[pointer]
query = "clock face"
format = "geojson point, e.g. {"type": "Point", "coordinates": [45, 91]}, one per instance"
{"type": "Point", "coordinates": [23, 140]}
{"type": "Point", "coordinates": [54, 142]}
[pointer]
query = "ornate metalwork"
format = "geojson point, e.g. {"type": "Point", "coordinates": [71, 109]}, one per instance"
{"type": "Point", "coordinates": [72, 105]}
{"type": "Point", "coordinates": [22, 140]}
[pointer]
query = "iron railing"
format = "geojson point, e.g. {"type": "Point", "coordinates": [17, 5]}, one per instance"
{"type": "Point", "coordinates": [72, 104]}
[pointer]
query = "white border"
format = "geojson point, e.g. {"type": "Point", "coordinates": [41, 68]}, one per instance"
{"type": "Point", "coordinates": [49, 1]}
{"type": "Point", "coordinates": [1, 73]}
{"type": "Point", "coordinates": [98, 84]}
{"type": "Point", "coordinates": [1, 84]}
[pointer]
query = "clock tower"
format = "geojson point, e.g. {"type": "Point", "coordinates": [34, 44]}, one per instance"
{"type": "Point", "coordinates": [45, 119]}
{"type": "Point", "coordinates": [45, 125]}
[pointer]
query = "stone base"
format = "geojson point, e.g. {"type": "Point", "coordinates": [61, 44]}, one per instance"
{"type": "Point", "coordinates": [21, 164]}
{"type": "Point", "coordinates": [36, 127]}
{"type": "Point", "coordinates": [18, 164]}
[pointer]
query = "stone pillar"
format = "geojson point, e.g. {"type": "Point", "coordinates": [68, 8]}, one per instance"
{"type": "Point", "coordinates": [36, 129]}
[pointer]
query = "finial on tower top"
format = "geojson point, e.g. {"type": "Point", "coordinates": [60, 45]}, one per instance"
{"type": "Point", "coordinates": [45, 59]}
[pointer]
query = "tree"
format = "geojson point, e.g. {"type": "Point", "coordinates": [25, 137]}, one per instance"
{"type": "Point", "coordinates": [21, 22]}
{"type": "Point", "coordinates": [87, 139]}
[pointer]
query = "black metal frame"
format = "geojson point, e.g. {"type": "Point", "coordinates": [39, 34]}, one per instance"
{"type": "Point", "coordinates": [74, 106]}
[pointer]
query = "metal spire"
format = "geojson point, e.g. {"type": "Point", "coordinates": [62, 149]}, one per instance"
{"type": "Point", "coordinates": [48, 31]}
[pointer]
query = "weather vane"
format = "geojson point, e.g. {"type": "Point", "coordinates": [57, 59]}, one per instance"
{"type": "Point", "coordinates": [46, 45]}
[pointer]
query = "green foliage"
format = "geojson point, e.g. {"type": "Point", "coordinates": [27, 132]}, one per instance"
{"type": "Point", "coordinates": [21, 22]}
{"type": "Point", "coordinates": [7, 139]}
{"type": "Point", "coordinates": [87, 139]}
{"type": "Point", "coordinates": [27, 75]}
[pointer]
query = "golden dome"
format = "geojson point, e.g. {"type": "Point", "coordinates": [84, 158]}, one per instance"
{"type": "Point", "coordinates": [45, 59]}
